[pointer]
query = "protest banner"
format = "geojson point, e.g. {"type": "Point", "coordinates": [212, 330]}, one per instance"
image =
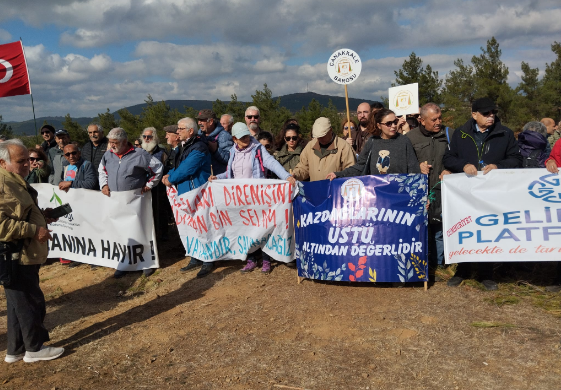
{"type": "Point", "coordinates": [404, 99]}
{"type": "Point", "coordinates": [343, 67]}
{"type": "Point", "coordinates": [228, 219]}
{"type": "Point", "coordinates": [115, 232]}
{"type": "Point", "coordinates": [505, 215]}
{"type": "Point", "coordinates": [363, 229]}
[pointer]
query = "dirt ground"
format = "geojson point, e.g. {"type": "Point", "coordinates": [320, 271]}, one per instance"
{"type": "Point", "coordinates": [255, 331]}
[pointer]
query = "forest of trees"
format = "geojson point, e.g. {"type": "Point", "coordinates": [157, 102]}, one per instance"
{"type": "Point", "coordinates": [486, 75]}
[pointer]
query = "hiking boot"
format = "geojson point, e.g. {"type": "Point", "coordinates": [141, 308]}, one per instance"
{"type": "Point", "coordinates": [45, 353]}
{"type": "Point", "coordinates": [490, 285]}
{"type": "Point", "coordinates": [13, 358]}
{"type": "Point", "coordinates": [250, 266]}
{"type": "Point", "coordinates": [194, 263]}
{"type": "Point", "coordinates": [455, 281]}
{"type": "Point", "coordinates": [119, 274]}
{"type": "Point", "coordinates": [266, 267]}
{"type": "Point", "coordinates": [205, 270]}
{"type": "Point", "coordinates": [148, 271]}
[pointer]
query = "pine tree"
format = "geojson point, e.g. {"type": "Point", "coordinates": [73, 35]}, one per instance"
{"type": "Point", "coordinates": [551, 91]}
{"type": "Point", "coordinates": [412, 71]}
{"type": "Point", "coordinates": [458, 94]}
{"type": "Point", "coordinates": [107, 121]}
{"type": "Point", "coordinates": [76, 132]}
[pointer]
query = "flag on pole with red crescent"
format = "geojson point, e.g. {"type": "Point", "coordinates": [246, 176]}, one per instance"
{"type": "Point", "coordinates": [14, 76]}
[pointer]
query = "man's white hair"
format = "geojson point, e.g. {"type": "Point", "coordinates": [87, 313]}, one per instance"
{"type": "Point", "coordinates": [5, 148]}
{"type": "Point", "coordinates": [154, 134]}
{"type": "Point", "coordinates": [118, 133]}
{"type": "Point", "coordinates": [252, 108]}
{"type": "Point", "coordinates": [231, 120]}
{"type": "Point", "coordinates": [189, 123]}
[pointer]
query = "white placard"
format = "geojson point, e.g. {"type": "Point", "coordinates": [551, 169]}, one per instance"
{"type": "Point", "coordinates": [505, 215]}
{"type": "Point", "coordinates": [404, 99]}
{"type": "Point", "coordinates": [228, 219]}
{"type": "Point", "coordinates": [114, 231]}
{"type": "Point", "coordinates": [344, 66]}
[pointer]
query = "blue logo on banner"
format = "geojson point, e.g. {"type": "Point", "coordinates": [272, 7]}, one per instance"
{"type": "Point", "coordinates": [367, 229]}
{"type": "Point", "coordinates": [546, 188]}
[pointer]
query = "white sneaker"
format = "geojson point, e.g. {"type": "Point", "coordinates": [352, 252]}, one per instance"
{"type": "Point", "coordinates": [45, 353]}
{"type": "Point", "coordinates": [13, 358]}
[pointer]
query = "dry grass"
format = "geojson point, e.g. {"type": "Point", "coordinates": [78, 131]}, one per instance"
{"type": "Point", "coordinates": [255, 331]}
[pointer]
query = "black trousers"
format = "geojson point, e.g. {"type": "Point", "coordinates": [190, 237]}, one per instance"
{"type": "Point", "coordinates": [484, 271]}
{"type": "Point", "coordinates": [26, 312]}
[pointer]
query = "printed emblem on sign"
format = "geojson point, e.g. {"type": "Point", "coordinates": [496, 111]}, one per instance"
{"type": "Point", "coordinates": [546, 188]}
{"type": "Point", "coordinates": [344, 66]}
{"type": "Point", "coordinates": [352, 190]}
{"type": "Point", "coordinates": [403, 100]}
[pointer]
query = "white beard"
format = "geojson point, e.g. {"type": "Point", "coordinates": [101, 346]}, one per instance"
{"type": "Point", "coordinates": [149, 146]}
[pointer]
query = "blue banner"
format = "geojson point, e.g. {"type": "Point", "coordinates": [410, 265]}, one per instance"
{"type": "Point", "coordinates": [363, 229]}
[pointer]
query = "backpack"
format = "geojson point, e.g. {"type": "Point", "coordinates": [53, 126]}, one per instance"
{"type": "Point", "coordinates": [532, 160]}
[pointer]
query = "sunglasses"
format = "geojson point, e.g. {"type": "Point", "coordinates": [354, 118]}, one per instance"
{"type": "Point", "coordinates": [147, 136]}
{"type": "Point", "coordinates": [252, 116]}
{"type": "Point", "coordinates": [45, 132]}
{"type": "Point", "coordinates": [32, 159]}
{"type": "Point", "coordinates": [390, 123]}
{"type": "Point", "coordinates": [136, 144]}
{"type": "Point", "coordinates": [488, 113]}
{"type": "Point", "coordinates": [70, 154]}
{"type": "Point", "coordinates": [293, 138]}
{"type": "Point", "coordinates": [347, 127]}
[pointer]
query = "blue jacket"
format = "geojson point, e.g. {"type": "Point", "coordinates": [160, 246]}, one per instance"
{"type": "Point", "coordinates": [86, 176]}
{"type": "Point", "coordinates": [192, 165]}
{"type": "Point", "coordinates": [262, 161]}
{"type": "Point", "coordinates": [222, 155]}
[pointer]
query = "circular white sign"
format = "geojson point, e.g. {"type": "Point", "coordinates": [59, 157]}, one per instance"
{"type": "Point", "coordinates": [344, 66]}
{"type": "Point", "coordinates": [9, 71]}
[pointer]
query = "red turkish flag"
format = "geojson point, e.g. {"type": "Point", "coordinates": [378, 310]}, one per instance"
{"type": "Point", "coordinates": [14, 79]}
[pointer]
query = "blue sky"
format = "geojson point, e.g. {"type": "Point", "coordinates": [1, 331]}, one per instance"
{"type": "Point", "coordinates": [89, 55]}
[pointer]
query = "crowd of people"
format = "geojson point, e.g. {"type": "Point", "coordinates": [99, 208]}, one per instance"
{"type": "Point", "coordinates": [206, 148]}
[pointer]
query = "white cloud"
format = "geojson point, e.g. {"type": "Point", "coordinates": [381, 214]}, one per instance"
{"type": "Point", "coordinates": [5, 36]}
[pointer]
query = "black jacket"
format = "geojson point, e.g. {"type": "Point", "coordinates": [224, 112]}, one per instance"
{"type": "Point", "coordinates": [47, 145]}
{"type": "Point", "coordinates": [499, 148]}
{"type": "Point", "coordinates": [94, 155]}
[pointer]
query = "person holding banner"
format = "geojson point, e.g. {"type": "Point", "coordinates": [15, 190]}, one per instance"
{"type": "Point", "coordinates": [326, 153]}
{"type": "Point", "coordinates": [481, 144]}
{"type": "Point", "coordinates": [192, 168]}
{"type": "Point", "coordinates": [430, 140]}
{"type": "Point", "coordinates": [23, 237]}
{"type": "Point", "coordinates": [123, 168]}
{"type": "Point", "coordinates": [250, 160]}
{"type": "Point", "coordinates": [386, 151]}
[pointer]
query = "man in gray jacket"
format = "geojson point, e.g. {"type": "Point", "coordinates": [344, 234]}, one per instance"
{"type": "Point", "coordinates": [56, 157]}
{"type": "Point", "coordinates": [124, 167]}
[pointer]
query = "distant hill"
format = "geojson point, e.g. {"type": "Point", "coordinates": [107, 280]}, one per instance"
{"type": "Point", "coordinates": [293, 102]}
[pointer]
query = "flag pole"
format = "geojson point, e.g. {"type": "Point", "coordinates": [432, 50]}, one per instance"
{"type": "Point", "coordinates": [30, 92]}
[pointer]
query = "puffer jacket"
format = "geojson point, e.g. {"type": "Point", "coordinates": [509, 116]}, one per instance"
{"type": "Point", "coordinates": [18, 203]}
{"type": "Point", "coordinates": [315, 166]}
{"type": "Point", "coordinates": [262, 161]}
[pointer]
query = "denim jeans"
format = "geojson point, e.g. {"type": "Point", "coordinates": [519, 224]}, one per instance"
{"type": "Point", "coordinates": [436, 245]}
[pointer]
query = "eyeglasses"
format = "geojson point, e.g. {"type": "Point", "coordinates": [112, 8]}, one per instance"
{"type": "Point", "coordinates": [390, 123]}
{"type": "Point", "coordinates": [70, 154]}
{"type": "Point", "coordinates": [294, 138]}
{"type": "Point", "coordinates": [489, 113]}
{"type": "Point", "coordinates": [32, 159]}
{"type": "Point", "coordinates": [147, 136]}
{"type": "Point", "coordinates": [181, 128]}
{"type": "Point", "coordinates": [347, 127]}
{"type": "Point", "coordinates": [252, 116]}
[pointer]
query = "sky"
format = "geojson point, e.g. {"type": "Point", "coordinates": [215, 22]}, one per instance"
{"type": "Point", "coordinates": [85, 56]}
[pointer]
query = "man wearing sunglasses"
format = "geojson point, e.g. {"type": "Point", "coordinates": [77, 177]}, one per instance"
{"type": "Point", "coordinates": [481, 144]}
{"type": "Point", "coordinates": [218, 140]}
{"type": "Point", "coordinates": [48, 134]}
{"type": "Point", "coordinates": [77, 172]}
{"type": "Point", "coordinates": [253, 120]}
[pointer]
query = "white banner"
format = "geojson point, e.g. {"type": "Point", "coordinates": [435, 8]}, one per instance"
{"type": "Point", "coordinates": [227, 219]}
{"type": "Point", "coordinates": [116, 231]}
{"type": "Point", "coordinates": [506, 215]}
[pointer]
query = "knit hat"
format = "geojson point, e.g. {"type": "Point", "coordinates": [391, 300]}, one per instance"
{"type": "Point", "coordinates": [321, 127]}
{"type": "Point", "coordinates": [240, 130]}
